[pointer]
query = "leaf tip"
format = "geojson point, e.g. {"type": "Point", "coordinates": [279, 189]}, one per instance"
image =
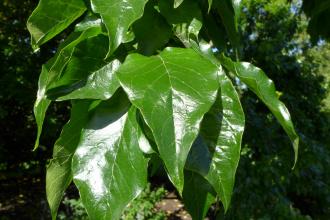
{"type": "Point", "coordinates": [35, 47]}
{"type": "Point", "coordinates": [177, 182]}
{"type": "Point", "coordinates": [177, 3]}
{"type": "Point", "coordinates": [36, 144]}
{"type": "Point", "coordinates": [225, 204]}
{"type": "Point", "coordinates": [296, 151]}
{"type": "Point", "coordinates": [210, 6]}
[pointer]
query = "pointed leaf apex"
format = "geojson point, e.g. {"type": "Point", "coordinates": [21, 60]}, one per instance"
{"type": "Point", "coordinates": [295, 143]}
{"type": "Point", "coordinates": [177, 3]}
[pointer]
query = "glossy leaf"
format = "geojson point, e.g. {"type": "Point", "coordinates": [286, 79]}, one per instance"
{"type": "Point", "coordinates": [186, 19]}
{"type": "Point", "coordinates": [264, 88]}
{"type": "Point", "coordinates": [152, 31]}
{"type": "Point", "coordinates": [59, 175]}
{"type": "Point", "coordinates": [66, 51]}
{"type": "Point", "coordinates": [41, 104]}
{"type": "Point", "coordinates": [52, 70]}
{"type": "Point", "coordinates": [173, 91]}
{"type": "Point", "coordinates": [318, 13]}
{"type": "Point", "coordinates": [227, 9]}
{"type": "Point", "coordinates": [86, 59]}
{"type": "Point", "coordinates": [237, 5]}
{"type": "Point", "coordinates": [90, 21]}
{"type": "Point", "coordinates": [101, 84]}
{"type": "Point", "coordinates": [215, 154]}
{"type": "Point", "coordinates": [210, 5]}
{"type": "Point", "coordinates": [198, 195]}
{"type": "Point", "coordinates": [118, 16]}
{"type": "Point", "coordinates": [177, 3]}
{"type": "Point", "coordinates": [216, 32]}
{"type": "Point", "coordinates": [108, 166]}
{"type": "Point", "coordinates": [177, 107]}
{"type": "Point", "coordinates": [51, 17]}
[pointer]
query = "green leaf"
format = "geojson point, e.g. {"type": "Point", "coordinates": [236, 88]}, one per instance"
{"type": "Point", "coordinates": [53, 70]}
{"type": "Point", "coordinates": [215, 154]}
{"type": "Point", "coordinates": [198, 195]}
{"type": "Point", "coordinates": [41, 104]}
{"type": "Point", "coordinates": [151, 31]}
{"type": "Point", "coordinates": [177, 3]}
{"type": "Point", "coordinates": [186, 19]}
{"type": "Point", "coordinates": [210, 5]}
{"type": "Point", "coordinates": [59, 175]}
{"type": "Point", "coordinates": [85, 65]}
{"type": "Point", "coordinates": [318, 13]}
{"type": "Point", "coordinates": [101, 84]}
{"type": "Point", "coordinates": [216, 32]}
{"type": "Point", "coordinates": [227, 9]}
{"type": "Point", "coordinates": [187, 11]}
{"type": "Point", "coordinates": [264, 88]}
{"type": "Point", "coordinates": [108, 166]}
{"type": "Point", "coordinates": [51, 17]}
{"type": "Point", "coordinates": [118, 16]}
{"type": "Point", "coordinates": [88, 22]}
{"type": "Point", "coordinates": [237, 5]}
{"type": "Point", "coordinates": [173, 91]}
{"type": "Point", "coordinates": [65, 53]}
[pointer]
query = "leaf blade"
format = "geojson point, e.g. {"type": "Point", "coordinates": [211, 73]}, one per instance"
{"type": "Point", "coordinates": [215, 154]}
{"type": "Point", "coordinates": [59, 175]}
{"type": "Point", "coordinates": [186, 19]}
{"type": "Point", "coordinates": [198, 195]}
{"type": "Point", "coordinates": [51, 17]}
{"type": "Point", "coordinates": [228, 10]}
{"type": "Point", "coordinates": [151, 31]}
{"type": "Point", "coordinates": [86, 74]}
{"type": "Point", "coordinates": [210, 5]}
{"type": "Point", "coordinates": [118, 16]}
{"type": "Point", "coordinates": [101, 84]}
{"type": "Point", "coordinates": [52, 70]}
{"type": "Point", "coordinates": [264, 88]}
{"type": "Point", "coordinates": [177, 3]}
{"type": "Point", "coordinates": [162, 88]}
{"type": "Point", "coordinates": [108, 167]}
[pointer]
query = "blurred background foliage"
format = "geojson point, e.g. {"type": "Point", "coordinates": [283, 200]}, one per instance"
{"type": "Point", "coordinates": [275, 37]}
{"type": "Point", "coordinates": [22, 171]}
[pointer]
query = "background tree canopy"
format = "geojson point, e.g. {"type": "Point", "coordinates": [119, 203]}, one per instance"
{"type": "Point", "coordinates": [275, 36]}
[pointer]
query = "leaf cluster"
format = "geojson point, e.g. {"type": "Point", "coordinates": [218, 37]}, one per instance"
{"type": "Point", "coordinates": [146, 78]}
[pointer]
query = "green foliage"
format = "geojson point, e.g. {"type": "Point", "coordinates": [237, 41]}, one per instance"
{"type": "Point", "coordinates": [143, 207]}
{"type": "Point", "coordinates": [108, 166]}
{"type": "Point", "coordinates": [264, 88]}
{"type": "Point", "coordinates": [46, 24]}
{"type": "Point", "coordinates": [59, 175]}
{"type": "Point", "coordinates": [174, 99]}
{"type": "Point", "coordinates": [173, 91]}
{"type": "Point", "coordinates": [275, 38]}
{"type": "Point", "coordinates": [18, 85]}
{"type": "Point", "coordinates": [77, 209]}
{"type": "Point", "coordinates": [23, 170]}
{"type": "Point", "coordinates": [319, 12]}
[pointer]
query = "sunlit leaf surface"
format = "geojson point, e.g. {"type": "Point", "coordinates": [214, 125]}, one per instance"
{"type": "Point", "coordinates": [108, 166]}
{"type": "Point", "coordinates": [173, 91]}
